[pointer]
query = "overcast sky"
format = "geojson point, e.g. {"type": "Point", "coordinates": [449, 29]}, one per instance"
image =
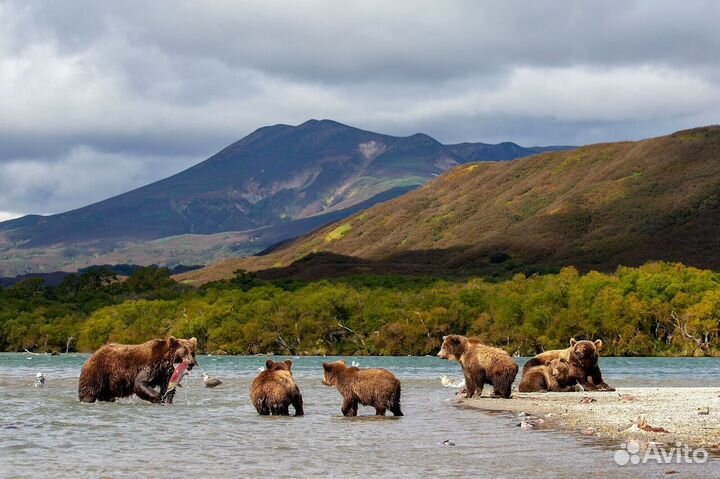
{"type": "Point", "coordinates": [97, 98]}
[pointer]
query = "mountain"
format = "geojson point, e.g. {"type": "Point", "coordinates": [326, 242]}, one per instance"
{"type": "Point", "coordinates": [469, 152]}
{"type": "Point", "coordinates": [595, 207]}
{"type": "Point", "coordinates": [278, 182]}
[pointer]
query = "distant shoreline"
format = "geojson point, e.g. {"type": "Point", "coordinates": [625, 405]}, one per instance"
{"type": "Point", "coordinates": [675, 409]}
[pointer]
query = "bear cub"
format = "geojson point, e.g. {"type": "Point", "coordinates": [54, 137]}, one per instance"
{"type": "Point", "coordinates": [374, 387]}
{"type": "Point", "coordinates": [275, 389]}
{"type": "Point", "coordinates": [481, 365]}
{"type": "Point", "coordinates": [582, 354]}
{"type": "Point", "coordinates": [551, 376]}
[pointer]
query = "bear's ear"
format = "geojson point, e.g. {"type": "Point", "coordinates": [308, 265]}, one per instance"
{"type": "Point", "coordinates": [289, 363]}
{"type": "Point", "coordinates": [573, 341]}
{"type": "Point", "coordinates": [172, 341]}
{"type": "Point", "coordinates": [193, 340]}
{"type": "Point", "coordinates": [268, 364]}
{"type": "Point", "coordinates": [598, 344]}
{"type": "Point", "coordinates": [444, 338]}
{"type": "Point", "coordinates": [327, 366]}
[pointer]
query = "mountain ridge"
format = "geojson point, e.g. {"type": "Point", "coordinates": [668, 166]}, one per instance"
{"type": "Point", "coordinates": [271, 178]}
{"type": "Point", "coordinates": [595, 207]}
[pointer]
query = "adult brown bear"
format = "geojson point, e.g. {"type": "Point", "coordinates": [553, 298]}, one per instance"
{"type": "Point", "coordinates": [583, 354]}
{"type": "Point", "coordinates": [274, 390]}
{"type": "Point", "coordinates": [481, 364]}
{"type": "Point", "coordinates": [119, 370]}
{"type": "Point", "coordinates": [374, 387]}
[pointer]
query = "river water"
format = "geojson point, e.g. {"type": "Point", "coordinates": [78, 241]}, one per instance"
{"type": "Point", "coordinates": [46, 432]}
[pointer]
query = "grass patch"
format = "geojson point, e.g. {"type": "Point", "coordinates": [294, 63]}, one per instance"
{"type": "Point", "coordinates": [338, 232]}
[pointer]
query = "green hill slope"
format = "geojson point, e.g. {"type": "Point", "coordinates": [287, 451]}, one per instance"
{"type": "Point", "coordinates": [594, 207]}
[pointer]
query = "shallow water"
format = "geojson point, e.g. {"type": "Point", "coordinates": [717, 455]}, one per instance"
{"type": "Point", "coordinates": [46, 432]}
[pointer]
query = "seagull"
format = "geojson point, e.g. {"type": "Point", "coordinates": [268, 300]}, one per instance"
{"type": "Point", "coordinates": [451, 383]}
{"type": "Point", "coordinates": [355, 364]}
{"type": "Point", "coordinates": [210, 382]}
{"type": "Point", "coordinates": [39, 380]}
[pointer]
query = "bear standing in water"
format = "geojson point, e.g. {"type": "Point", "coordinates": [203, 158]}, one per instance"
{"type": "Point", "coordinates": [551, 377]}
{"type": "Point", "coordinates": [582, 354]}
{"type": "Point", "coordinates": [374, 387]}
{"type": "Point", "coordinates": [274, 390]}
{"type": "Point", "coordinates": [120, 370]}
{"type": "Point", "coordinates": [480, 364]}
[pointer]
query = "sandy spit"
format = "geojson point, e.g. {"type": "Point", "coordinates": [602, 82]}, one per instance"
{"type": "Point", "coordinates": [689, 415]}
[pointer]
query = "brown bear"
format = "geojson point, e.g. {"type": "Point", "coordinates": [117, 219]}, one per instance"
{"type": "Point", "coordinates": [550, 377]}
{"type": "Point", "coordinates": [119, 370]}
{"type": "Point", "coordinates": [274, 390]}
{"type": "Point", "coordinates": [480, 364]}
{"type": "Point", "coordinates": [374, 387]}
{"type": "Point", "coordinates": [584, 355]}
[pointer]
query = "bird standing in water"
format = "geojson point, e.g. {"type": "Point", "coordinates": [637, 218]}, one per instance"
{"type": "Point", "coordinates": [210, 382]}
{"type": "Point", "coordinates": [39, 380]}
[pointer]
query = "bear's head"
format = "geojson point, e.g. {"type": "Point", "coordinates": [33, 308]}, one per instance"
{"type": "Point", "coordinates": [585, 353]}
{"type": "Point", "coordinates": [453, 347]}
{"type": "Point", "coordinates": [270, 365]}
{"type": "Point", "coordinates": [182, 350]}
{"type": "Point", "coordinates": [559, 369]}
{"type": "Point", "coordinates": [331, 371]}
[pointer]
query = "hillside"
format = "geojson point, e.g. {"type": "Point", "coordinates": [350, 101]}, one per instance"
{"type": "Point", "coordinates": [595, 207]}
{"type": "Point", "coordinates": [277, 183]}
{"type": "Point", "coordinates": [505, 151]}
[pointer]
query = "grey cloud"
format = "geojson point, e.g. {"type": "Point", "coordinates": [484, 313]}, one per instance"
{"type": "Point", "coordinates": [135, 91]}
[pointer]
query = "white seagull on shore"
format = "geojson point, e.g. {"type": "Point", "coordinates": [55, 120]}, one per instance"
{"type": "Point", "coordinates": [451, 383]}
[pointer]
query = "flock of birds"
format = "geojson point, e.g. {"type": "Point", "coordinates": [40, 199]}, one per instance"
{"type": "Point", "coordinates": [210, 382]}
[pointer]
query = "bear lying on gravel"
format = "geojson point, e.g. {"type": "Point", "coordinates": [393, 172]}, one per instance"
{"type": "Point", "coordinates": [274, 390]}
{"type": "Point", "coordinates": [120, 370]}
{"type": "Point", "coordinates": [584, 355]}
{"type": "Point", "coordinates": [480, 364]}
{"type": "Point", "coordinates": [550, 376]}
{"type": "Point", "coordinates": [374, 387]}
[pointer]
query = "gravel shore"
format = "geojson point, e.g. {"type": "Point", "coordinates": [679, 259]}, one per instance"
{"type": "Point", "coordinates": [663, 414]}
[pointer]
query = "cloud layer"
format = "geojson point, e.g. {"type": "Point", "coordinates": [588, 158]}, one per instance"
{"type": "Point", "coordinates": [99, 98]}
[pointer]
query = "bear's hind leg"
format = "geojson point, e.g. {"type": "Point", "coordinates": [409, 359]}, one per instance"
{"type": "Point", "coordinates": [262, 407]}
{"type": "Point", "coordinates": [474, 385]}
{"type": "Point", "coordinates": [86, 397]}
{"type": "Point", "coordinates": [349, 407]}
{"type": "Point", "coordinates": [298, 405]}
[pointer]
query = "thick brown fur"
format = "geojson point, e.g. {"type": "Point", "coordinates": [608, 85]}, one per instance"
{"type": "Point", "coordinates": [374, 387]}
{"type": "Point", "coordinates": [550, 377]}
{"type": "Point", "coordinates": [120, 370]}
{"type": "Point", "coordinates": [275, 389]}
{"type": "Point", "coordinates": [582, 354]}
{"type": "Point", "coordinates": [481, 365]}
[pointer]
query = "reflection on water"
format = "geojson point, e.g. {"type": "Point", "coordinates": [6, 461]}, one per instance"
{"type": "Point", "coordinates": [46, 432]}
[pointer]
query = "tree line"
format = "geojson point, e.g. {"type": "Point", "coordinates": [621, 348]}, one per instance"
{"type": "Point", "coordinates": [659, 309]}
